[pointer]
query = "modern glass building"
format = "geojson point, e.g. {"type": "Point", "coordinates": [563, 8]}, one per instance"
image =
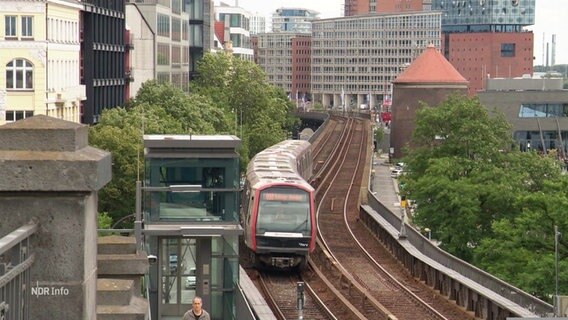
{"type": "Point", "coordinates": [485, 15]}
{"type": "Point", "coordinates": [190, 203]}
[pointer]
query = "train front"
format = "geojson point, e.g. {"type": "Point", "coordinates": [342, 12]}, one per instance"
{"type": "Point", "coordinates": [285, 225]}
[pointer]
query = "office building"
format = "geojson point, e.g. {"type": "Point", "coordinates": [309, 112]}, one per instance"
{"type": "Point", "coordinates": [481, 38]}
{"type": "Point", "coordinates": [183, 32]}
{"type": "Point", "coordinates": [103, 57]}
{"type": "Point", "coordinates": [537, 110]}
{"type": "Point", "coordinates": [354, 59]}
{"type": "Point", "coordinates": [285, 57]}
{"type": "Point", "coordinates": [40, 43]}
{"type": "Point", "coordinates": [142, 40]}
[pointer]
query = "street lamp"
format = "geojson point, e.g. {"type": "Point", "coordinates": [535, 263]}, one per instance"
{"type": "Point", "coordinates": [429, 233]}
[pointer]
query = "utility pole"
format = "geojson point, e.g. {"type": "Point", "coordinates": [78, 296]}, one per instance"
{"type": "Point", "coordinates": [556, 297]}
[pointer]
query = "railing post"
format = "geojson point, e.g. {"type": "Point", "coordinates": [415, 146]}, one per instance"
{"type": "Point", "coordinates": [138, 218]}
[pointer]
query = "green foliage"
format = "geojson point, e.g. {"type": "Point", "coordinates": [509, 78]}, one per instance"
{"type": "Point", "coordinates": [260, 110]}
{"type": "Point", "coordinates": [104, 221]}
{"type": "Point", "coordinates": [156, 109]}
{"type": "Point", "coordinates": [379, 135]}
{"type": "Point", "coordinates": [484, 201]}
{"type": "Point", "coordinates": [231, 96]}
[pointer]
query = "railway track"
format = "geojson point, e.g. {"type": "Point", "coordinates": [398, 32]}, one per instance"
{"type": "Point", "coordinates": [352, 273]}
{"type": "Point", "coordinates": [285, 303]}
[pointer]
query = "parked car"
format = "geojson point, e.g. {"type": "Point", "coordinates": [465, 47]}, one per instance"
{"type": "Point", "coordinates": [191, 280]}
{"type": "Point", "coordinates": [173, 263]}
{"type": "Point", "coordinates": [396, 173]}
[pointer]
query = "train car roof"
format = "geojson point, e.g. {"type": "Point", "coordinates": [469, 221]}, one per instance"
{"type": "Point", "coordinates": [277, 164]}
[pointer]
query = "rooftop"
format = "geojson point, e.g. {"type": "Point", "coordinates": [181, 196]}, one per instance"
{"type": "Point", "coordinates": [430, 67]}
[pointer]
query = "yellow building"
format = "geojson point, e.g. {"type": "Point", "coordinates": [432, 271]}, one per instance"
{"type": "Point", "coordinates": [40, 54]}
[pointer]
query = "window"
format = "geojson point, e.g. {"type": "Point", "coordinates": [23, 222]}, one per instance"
{"type": "Point", "coordinates": [163, 25]}
{"type": "Point", "coordinates": [163, 57]}
{"type": "Point", "coordinates": [15, 115]}
{"type": "Point", "coordinates": [543, 110]}
{"type": "Point", "coordinates": [507, 50]}
{"type": "Point", "coordinates": [10, 26]}
{"type": "Point", "coordinates": [27, 27]}
{"type": "Point", "coordinates": [19, 74]}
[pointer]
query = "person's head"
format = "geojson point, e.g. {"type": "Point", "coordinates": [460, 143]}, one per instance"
{"type": "Point", "coordinates": [196, 305]}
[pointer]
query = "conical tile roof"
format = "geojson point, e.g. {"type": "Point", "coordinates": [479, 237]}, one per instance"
{"type": "Point", "coordinates": [430, 67]}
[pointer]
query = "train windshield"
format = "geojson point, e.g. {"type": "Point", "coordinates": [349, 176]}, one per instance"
{"type": "Point", "coordinates": [284, 209]}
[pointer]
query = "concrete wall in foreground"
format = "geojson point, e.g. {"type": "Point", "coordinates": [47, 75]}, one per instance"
{"type": "Point", "coordinates": [51, 175]}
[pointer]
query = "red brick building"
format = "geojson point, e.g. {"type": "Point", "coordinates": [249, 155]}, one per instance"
{"type": "Point", "coordinates": [478, 56]}
{"type": "Point", "coordinates": [429, 79]}
{"type": "Point", "coordinates": [358, 7]}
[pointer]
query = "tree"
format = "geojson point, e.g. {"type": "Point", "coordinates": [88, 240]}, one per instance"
{"type": "Point", "coordinates": [521, 250]}
{"type": "Point", "coordinates": [156, 109]}
{"type": "Point", "coordinates": [260, 110]}
{"type": "Point", "coordinates": [486, 202]}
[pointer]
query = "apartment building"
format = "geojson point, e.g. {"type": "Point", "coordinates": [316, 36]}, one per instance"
{"type": "Point", "coordinates": [40, 43]}
{"type": "Point", "coordinates": [296, 20]}
{"type": "Point", "coordinates": [257, 23]}
{"type": "Point", "coordinates": [355, 59]}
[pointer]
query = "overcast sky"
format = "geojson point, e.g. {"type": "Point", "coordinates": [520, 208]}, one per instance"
{"type": "Point", "coordinates": [549, 19]}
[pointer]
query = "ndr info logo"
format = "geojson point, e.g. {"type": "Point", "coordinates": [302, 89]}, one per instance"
{"type": "Point", "coordinates": [49, 291]}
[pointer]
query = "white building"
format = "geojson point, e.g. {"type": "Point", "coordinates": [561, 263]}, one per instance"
{"type": "Point", "coordinates": [237, 23]}
{"type": "Point", "coordinates": [143, 40]}
{"type": "Point", "coordinates": [40, 53]}
{"type": "Point", "coordinates": [257, 23]}
{"type": "Point", "coordinates": [296, 20]}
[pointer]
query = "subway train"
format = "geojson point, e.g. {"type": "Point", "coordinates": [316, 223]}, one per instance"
{"type": "Point", "coordinates": [277, 213]}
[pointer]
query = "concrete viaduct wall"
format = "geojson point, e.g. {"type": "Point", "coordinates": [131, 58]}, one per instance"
{"type": "Point", "coordinates": [50, 175]}
{"type": "Point", "coordinates": [472, 288]}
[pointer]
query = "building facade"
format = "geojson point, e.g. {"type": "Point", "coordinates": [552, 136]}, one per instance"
{"type": "Point", "coordinates": [236, 23]}
{"type": "Point", "coordinates": [359, 7]}
{"type": "Point", "coordinates": [297, 20]}
{"type": "Point", "coordinates": [257, 23]}
{"type": "Point", "coordinates": [183, 31]}
{"type": "Point", "coordinates": [103, 54]}
{"type": "Point", "coordinates": [40, 43]}
{"type": "Point", "coordinates": [537, 110]}
{"type": "Point", "coordinates": [143, 44]}
{"type": "Point", "coordinates": [486, 38]}
{"type": "Point", "coordinates": [285, 57]}
{"type": "Point", "coordinates": [355, 59]}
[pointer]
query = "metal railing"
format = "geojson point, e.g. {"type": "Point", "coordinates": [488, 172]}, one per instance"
{"type": "Point", "coordinates": [15, 262]}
